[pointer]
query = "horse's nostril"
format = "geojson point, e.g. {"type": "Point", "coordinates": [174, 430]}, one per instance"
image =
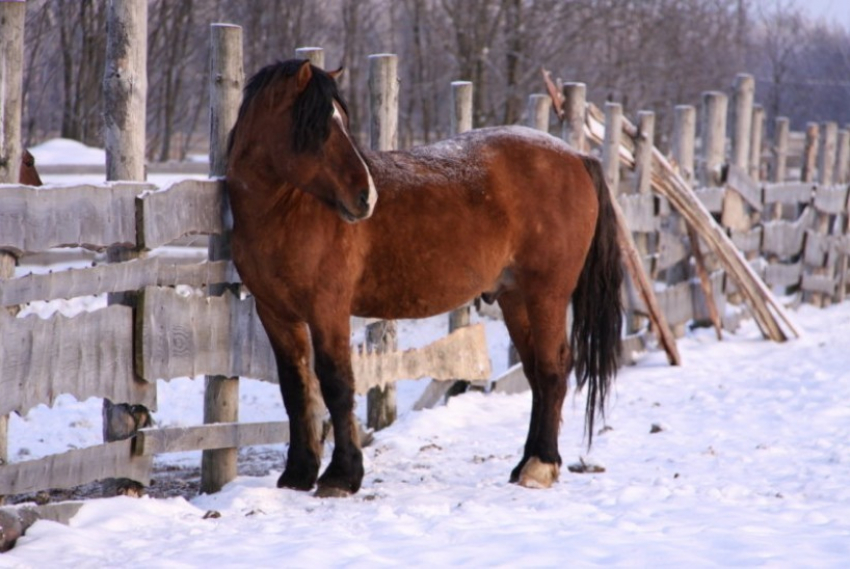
{"type": "Point", "coordinates": [364, 199]}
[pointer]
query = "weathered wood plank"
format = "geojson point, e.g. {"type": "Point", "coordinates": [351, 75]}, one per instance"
{"type": "Point", "coordinates": [89, 355]}
{"type": "Point", "coordinates": [747, 241]}
{"type": "Point", "coordinates": [639, 211]}
{"type": "Point", "coordinates": [75, 467]}
{"type": "Point", "coordinates": [711, 198]}
{"type": "Point", "coordinates": [677, 303]}
{"type": "Point", "coordinates": [831, 199]}
{"type": "Point", "coordinates": [463, 353]}
{"type": "Point", "coordinates": [213, 436]}
{"type": "Point", "coordinates": [701, 310]}
{"type": "Point", "coordinates": [92, 217]}
{"type": "Point", "coordinates": [739, 180]}
{"type": "Point", "coordinates": [818, 283]}
{"type": "Point", "coordinates": [672, 248]}
{"type": "Point", "coordinates": [199, 335]}
{"type": "Point", "coordinates": [788, 192]}
{"type": "Point", "coordinates": [199, 203]}
{"type": "Point", "coordinates": [784, 238]}
{"type": "Point", "coordinates": [817, 247]}
{"type": "Point", "coordinates": [512, 381]}
{"type": "Point", "coordinates": [116, 277]}
{"type": "Point", "coordinates": [781, 274]}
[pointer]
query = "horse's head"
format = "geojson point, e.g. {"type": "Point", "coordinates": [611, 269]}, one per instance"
{"type": "Point", "coordinates": [294, 122]}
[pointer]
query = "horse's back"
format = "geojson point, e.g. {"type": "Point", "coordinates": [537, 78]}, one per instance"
{"type": "Point", "coordinates": [453, 217]}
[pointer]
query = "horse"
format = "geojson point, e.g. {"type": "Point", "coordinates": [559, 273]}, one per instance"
{"type": "Point", "coordinates": [323, 230]}
{"type": "Point", "coordinates": [28, 174]}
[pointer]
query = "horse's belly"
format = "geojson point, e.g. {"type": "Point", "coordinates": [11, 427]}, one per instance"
{"type": "Point", "coordinates": [419, 291]}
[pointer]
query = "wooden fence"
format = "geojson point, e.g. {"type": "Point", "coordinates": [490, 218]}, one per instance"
{"type": "Point", "coordinates": [794, 231]}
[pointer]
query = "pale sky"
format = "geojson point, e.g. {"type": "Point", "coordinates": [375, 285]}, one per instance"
{"type": "Point", "coordinates": [837, 11]}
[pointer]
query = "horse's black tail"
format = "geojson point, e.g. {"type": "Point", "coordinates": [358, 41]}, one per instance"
{"type": "Point", "coordinates": [597, 306]}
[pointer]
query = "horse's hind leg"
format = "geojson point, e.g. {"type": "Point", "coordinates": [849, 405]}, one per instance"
{"type": "Point", "coordinates": [519, 329]}
{"type": "Point", "coordinates": [301, 397]}
{"type": "Point", "coordinates": [546, 362]}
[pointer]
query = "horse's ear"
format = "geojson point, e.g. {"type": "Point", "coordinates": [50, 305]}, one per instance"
{"type": "Point", "coordinates": [302, 78]}
{"type": "Point", "coordinates": [335, 75]}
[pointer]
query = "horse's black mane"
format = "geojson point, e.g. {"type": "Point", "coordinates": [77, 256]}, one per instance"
{"type": "Point", "coordinates": [313, 107]}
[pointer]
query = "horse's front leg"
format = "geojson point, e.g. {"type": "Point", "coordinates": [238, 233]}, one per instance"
{"type": "Point", "coordinates": [300, 389]}
{"type": "Point", "coordinates": [331, 346]}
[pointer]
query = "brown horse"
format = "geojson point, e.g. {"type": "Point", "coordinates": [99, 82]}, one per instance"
{"type": "Point", "coordinates": [28, 175]}
{"type": "Point", "coordinates": [323, 230]}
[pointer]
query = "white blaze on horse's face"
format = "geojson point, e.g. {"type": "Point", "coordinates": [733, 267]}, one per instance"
{"type": "Point", "coordinates": [373, 193]}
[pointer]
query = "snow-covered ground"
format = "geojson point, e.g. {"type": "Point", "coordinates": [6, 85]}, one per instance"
{"type": "Point", "coordinates": [751, 466]}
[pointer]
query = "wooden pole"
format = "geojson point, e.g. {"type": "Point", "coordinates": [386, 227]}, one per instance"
{"type": "Point", "coordinates": [575, 101]}
{"type": "Point", "coordinates": [124, 107]}
{"type": "Point", "coordinates": [221, 394]}
{"type": "Point", "coordinates": [828, 154]}
{"type": "Point", "coordinates": [842, 165]}
{"type": "Point", "coordinates": [714, 105]}
{"type": "Point", "coordinates": [460, 121]}
{"type": "Point", "coordinates": [382, 336]}
{"type": "Point", "coordinates": [734, 214]}
{"type": "Point", "coordinates": [12, 16]}
{"type": "Point", "coordinates": [539, 107]}
{"type": "Point", "coordinates": [644, 142]}
{"type": "Point", "coordinates": [611, 145]}
{"type": "Point", "coordinates": [125, 85]}
{"type": "Point", "coordinates": [315, 55]}
{"type": "Point", "coordinates": [684, 136]}
{"type": "Point", "coordinates": [810, 152]}
{"type": "Point", "coordinates": [757, 133]}
{"type": "Point", "coordinates": [778, 170]}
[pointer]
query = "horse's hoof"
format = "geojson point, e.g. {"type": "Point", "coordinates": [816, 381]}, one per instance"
{"type": "Point", "coordinates": [332, 492]}
{"type": "Point", "coordinates": [295, 482]}
{"type": "Point", "coordinates": [538, 474]}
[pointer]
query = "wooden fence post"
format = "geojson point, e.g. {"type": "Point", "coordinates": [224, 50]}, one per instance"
{"type": "Point", "coordinates": [714, 105]}
{"type": "Point", "coordinates": [644, 144]}
{"type": "Point", "coordinates": [12, 16]}
{"type": "Point", "coordinates": [735, 211]}
{"type": "Point", "coordinates": [221, 394]}
{"type": "Point", "coordinates": [810, 152]}
{"type": "Point", "coordinates": [842, 163]}
{"type": "Point", "coordinates": [315, 55]}
{"type": "Point", "coordinates": [382, 336]}
{"type": "Point", "coordinates": [539, 108]}
{"type": "Point", "coordinates": [828, 154]}
{"type": "Point", "coordinates": [611, 145]}
{"type": "Point", "coordinates": [684, 136]}
{"type": "Point", "coordinates": [779, 158]}
{"type": "Point", "coordinates": [757, 134]}
{"type": "Point", "coordinates": [125, 86]}
{"type": "Point", "coordinates": [460, 121]}
{"type": "Point", "coordinates": [575, 104]}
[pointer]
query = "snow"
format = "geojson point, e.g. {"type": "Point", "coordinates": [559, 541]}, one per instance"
{"type": "Point", "coordinates": [751, 466]}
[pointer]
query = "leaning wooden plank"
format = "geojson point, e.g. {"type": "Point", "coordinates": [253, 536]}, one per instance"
{"type": "Point", "coordinates": [115, 277]}
{"type": "Point", "coordinates": [93, 217]}
{"type": "Point", "coordinates": [75, 467]}
{"type": "Point", "coordinates": [213, 436]}
{"type": "Point", "coordinates": [739, 180]}
{"type": "Point", "coordinates": [785, 238]}
{"type": "Point", "coordinates": [199, 204]}
{"type": "Point", "coordinates": [200, 335]}
{"type": "Point", "coordinates": [831, 199]}
{"type": "Point", "coordinates": [89, 355]}
{"type": "Point", "coordinates": [463, 353]}
{"type": "Point", "coordinates": [768, 313]}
